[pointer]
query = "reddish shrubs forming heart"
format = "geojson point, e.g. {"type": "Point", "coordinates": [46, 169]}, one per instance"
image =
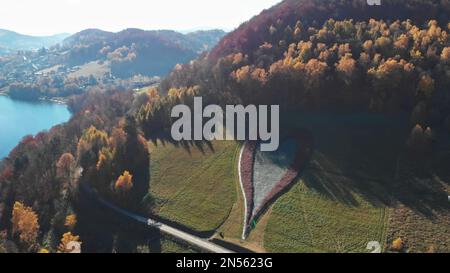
{"type": "Point", "coordinates": [247, 167]}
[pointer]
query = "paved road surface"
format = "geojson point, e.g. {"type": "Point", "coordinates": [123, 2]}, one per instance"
{"type": "Point", "coordinates": [203, 244]}
{"type": "Point", "coordinates": [181, 235]}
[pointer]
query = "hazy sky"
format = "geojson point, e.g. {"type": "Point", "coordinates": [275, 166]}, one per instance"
{"type": "Point", "coordinates": [44, 17]}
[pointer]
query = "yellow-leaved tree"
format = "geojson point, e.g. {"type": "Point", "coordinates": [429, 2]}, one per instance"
{"type": "Point", "coordinates": [70, 243]}
{"type": "Point", "coordinates": [25, 223]}
{"type": "Point", "coordinates": [43, 251]}
{"type": "Point", "coordinates": [125, 182]}
{"type": "Point", "coordinates": [71, 221]}
{"type": "Point", "coordinates": [397, 245]}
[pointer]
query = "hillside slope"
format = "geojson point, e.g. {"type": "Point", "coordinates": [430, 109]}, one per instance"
{"type": "Point", "coordinates": [375, 176]}
{"type": "Point", "coordinates": [135, 51]}
{"type": "Point", "coordinates": [93, 58]}
{"type": "Point", "coordinates": [249, 35]}
{"type": "Point", "coordinates": [332, 58]}
{"type": "Point", "coordinates": [12, 41]}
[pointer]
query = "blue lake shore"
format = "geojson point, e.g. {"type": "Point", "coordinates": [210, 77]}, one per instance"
{"type": "Point", "coordinates": [21, 118]}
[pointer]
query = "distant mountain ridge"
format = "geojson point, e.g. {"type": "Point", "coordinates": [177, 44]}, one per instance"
{"type": "Point", "coordinates": [13, 41]}
{"type": "Point", "coordinates": [135, 51]}
{"type": "Point", "coordinates": [94, 56]}
{"type": "Point", "coordinates": [195, 41]}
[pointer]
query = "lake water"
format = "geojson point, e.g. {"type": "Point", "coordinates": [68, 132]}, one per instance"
{"type": "Point", "coordinates": [19, 118]}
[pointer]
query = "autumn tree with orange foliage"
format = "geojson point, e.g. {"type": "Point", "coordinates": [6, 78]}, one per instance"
{"type": "Point", "coordinates": [397, 245]}
{"type": "Point", "coordinates": [71, 221]}
{"type": "Point", "coordinates": [65, 169]}
{"type": "Point", "coordinates": [43, 251]}
{"type": "Point", "coordinates": [89, 146]}
{"type": "Point", "coordinates": [346, 68]}
{"type": "Point", "coordinates": [124, 183]}
{"type": "Point", "coordinates": [68, 243]}
{"type": "Point", "coordinates": [65, 165]}
{"type": "Point", "coordinates": [25, 223]}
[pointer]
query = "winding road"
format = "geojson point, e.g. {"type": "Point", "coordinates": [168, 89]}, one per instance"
{"type": "Point", "coordinates": [166, 229]}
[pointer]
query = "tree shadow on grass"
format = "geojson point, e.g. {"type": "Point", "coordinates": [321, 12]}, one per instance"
{"type": "Point", "coordinates": [424, 195]}
{"type": "Point", "coordinates": [324, 176]}
{"type": "Point", "coordinates": [102, 230]}
{"type": "Point", "coordinates": [200, 145]}
{"type": "Point", "coordinates": [366, 157]}
{"type": "Point", "coordinates": [154, 240]}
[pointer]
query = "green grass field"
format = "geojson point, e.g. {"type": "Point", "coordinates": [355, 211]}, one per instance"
{"type": "Point", "coordinates": [194, 188]}
{"type": "Point", "coordinates": [303, 220]}
{"type": "Point", "coordinates": [339, 202]}
{"type": "Point", "coordinates": [169, 246]}
{"type": "Point", "coordinates": [422, 218]}
{"type": "Point", "coordinates": [314, 217]}
{"type": "Point", "coordinates": [92, 68]}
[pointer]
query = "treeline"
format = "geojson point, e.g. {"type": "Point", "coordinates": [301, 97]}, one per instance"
{"type": "Point", "coordinates": [378, 66]}
{"type": "Point", "coordinates": [66, 87]}
{"type": "Point", "coordinates": [24, 92]}
{"type": "Point", "coordinates": [49, 87]}
{"type": "Point", "coordinates": [250, 35]}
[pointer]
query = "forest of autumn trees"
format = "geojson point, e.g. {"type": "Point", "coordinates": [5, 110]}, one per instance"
{"type": "Point", "coordinates": [40, 179]}
{"type": "Point", "coordinates": [116, 164]}
{"type": "Point", "coordinates": [391, 60]}
{"type": "Point", "coordinates": [376, 65]}
{"type": "Point", "coordinates": [303, 55]}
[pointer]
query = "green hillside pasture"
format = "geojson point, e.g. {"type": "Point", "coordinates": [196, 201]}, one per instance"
{"type": "Point", "coordinates": [340, 201]}
{"type": "Point", "coordinates": [94, 68]}
{"type": "Point", "coordinates": [305, 221]}
{"type": "Point", "coordinates": [194, 187]}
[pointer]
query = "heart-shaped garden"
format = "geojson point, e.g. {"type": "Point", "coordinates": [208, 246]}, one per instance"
{"type": "Point", "coordinates": [264, 176]}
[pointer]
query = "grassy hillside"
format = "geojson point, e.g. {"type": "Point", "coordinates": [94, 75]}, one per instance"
{"type": "Point", "coordinates": [168, 246]}
{"type": "Point", "coordinates": [96, 69]}
{"type": "Point", "coordinates": [12, 41]}
{"type": "Point", "coordinates": [306, 221]}
{"type": "Point", "coordinates": [421, 217]}
{"type": "Point", "coordinates": [194, 187]}
{"type": "Point", "coordinates": [340, 201]}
